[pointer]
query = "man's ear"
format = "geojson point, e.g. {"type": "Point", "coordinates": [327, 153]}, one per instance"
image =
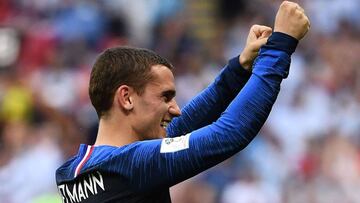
{"type": "Point", "coordinates": [123, 97]}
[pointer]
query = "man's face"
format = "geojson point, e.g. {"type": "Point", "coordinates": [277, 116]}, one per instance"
{"type": "Point", "coordinates": [154, 109]}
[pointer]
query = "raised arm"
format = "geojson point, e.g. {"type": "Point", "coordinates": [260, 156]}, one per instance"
{"type": "Point", "coordinates": [211, 102]}
{"type": "Point", "coordinates": [176, 159]}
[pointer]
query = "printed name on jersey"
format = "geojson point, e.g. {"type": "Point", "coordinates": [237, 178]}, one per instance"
{"type": "Point", "coordinates": [84, 188]}
{"type": "Point", "coordinates": [175, 144]}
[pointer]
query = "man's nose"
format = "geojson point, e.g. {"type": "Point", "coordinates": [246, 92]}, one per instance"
{"type": "Point", "coordinates": [174, 109]}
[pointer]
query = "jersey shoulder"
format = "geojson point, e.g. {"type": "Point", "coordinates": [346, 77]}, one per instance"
{"type": "Point", "coordinates": [88, 157]}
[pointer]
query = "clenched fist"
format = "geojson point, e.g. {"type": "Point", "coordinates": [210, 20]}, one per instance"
{"type": "Point", "coordinates": [258, 35]}
{"type": "Point", "coordinates": [291, 19]}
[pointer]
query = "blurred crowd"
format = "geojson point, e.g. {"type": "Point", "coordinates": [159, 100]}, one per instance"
{"type": "Point", "coordinates": [308, 150]}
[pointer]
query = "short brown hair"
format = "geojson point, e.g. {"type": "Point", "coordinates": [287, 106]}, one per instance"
{"type": "Point", "coordinates": [121, 66]}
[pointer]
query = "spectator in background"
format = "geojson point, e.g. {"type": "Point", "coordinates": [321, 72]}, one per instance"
{"type": "Point", "coordinates": [133, 93]}
{"type": "Point", "coordinates": [318, 96]}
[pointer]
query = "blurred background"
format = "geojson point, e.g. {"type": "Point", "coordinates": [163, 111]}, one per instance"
{"type": "Point", "coordinates": [308, 150]}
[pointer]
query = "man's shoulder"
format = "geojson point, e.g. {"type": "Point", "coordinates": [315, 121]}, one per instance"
{"type": "Point", "coordinates": [64, 171]}
{"type": "Point", "coordinates": [87, 157]}
{"type": "Point", "coordinates": [99, 177]}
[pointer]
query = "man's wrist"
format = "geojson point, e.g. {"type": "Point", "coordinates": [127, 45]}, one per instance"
{"type": "Point", "coordinates": [282, 41]}
{"type": "Point", "coordinates": [236, 67]}
{"type": "Point", "coordinates": [244, 62]}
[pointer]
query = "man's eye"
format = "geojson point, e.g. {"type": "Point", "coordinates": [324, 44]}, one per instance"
{"type": "Point", "coordinates": [167, 96]}
{"type": "Point", "coordinates": [166, 99]}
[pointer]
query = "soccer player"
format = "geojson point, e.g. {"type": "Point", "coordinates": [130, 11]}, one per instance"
{"type": "Point", "coordinates": [133, 93]}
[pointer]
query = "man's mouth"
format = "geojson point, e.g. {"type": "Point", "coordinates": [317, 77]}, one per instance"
{"type": "Point", "coordinates": [164, 124]}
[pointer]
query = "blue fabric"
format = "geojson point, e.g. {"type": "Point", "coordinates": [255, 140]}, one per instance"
{"type": "Point", "coordinates": [142, 166]}
{"type": "Point", "coordinates": [213, 100]}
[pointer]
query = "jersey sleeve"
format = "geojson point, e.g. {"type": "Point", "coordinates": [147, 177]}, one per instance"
{"type": "Point", "coordinates": [154, 164]}
{"type": "Point", "coordinates": [211, 102]}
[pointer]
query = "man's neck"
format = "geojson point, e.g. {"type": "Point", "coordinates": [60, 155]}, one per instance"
{"type": "Point", "coordinates": [114, 133]}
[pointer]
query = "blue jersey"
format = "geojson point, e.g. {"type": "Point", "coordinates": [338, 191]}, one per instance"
{"type": "Point", "coordinates": [215, 125]}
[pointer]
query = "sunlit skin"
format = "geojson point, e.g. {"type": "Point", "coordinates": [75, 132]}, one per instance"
{"type": "Point", "coordinates": [134, 117]}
